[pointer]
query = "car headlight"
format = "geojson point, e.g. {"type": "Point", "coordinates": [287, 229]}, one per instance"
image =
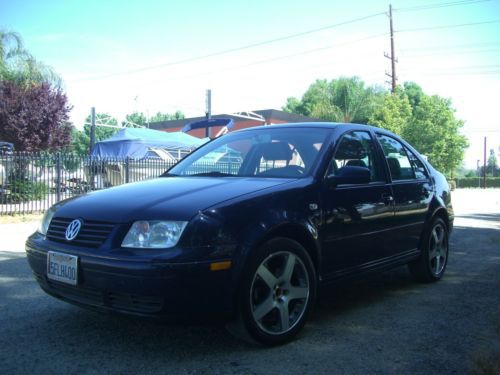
{"type": "Point", "coordinates": [44, 224]}
{"type": "Point", "coordinates": [154, 234]}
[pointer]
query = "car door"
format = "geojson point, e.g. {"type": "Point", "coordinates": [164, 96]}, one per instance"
{"type": "Point", "coordinates": [355, 216]}
{"type": "Point", "coordinates": [412, 190]}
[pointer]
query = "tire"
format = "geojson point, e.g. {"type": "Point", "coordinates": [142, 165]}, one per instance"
{"type": "Point", "coordinates": [431, 264]}
{"type": "Point", "coordinates": [277, 293]}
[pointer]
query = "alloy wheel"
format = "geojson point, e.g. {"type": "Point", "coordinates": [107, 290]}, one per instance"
{"type": "Point", "coordinates": [279, 292]}
{"type": "Point", "coordinates": [438, 249]}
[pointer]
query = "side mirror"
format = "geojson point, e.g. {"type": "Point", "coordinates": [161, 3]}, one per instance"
{"type": "Point", "coordinates": [349, 175]}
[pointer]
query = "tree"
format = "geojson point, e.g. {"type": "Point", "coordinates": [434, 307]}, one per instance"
{"type": "Point", "coordinates": [427, 122]}
{"type": "Point", "coordinates": [492, 163]}
{"type": "Point", "coordinates": [19, 66]}
{"type": "Point", "coordinates": [394, 114]}
{"type": "Point", "coordinates": [414, 93]}
{"type": "Point", "coordinates": [81, 138]}
{"type": "Point", "coordinates": [434, 131]}
{"type": "Point", "coordinates": [159, 116]}
{"type": "Point", "coordinates": [34, 117]}
{"type": "Point", "coordinates": [135, 120]}
{"type": "Point", "coordinates": [139, 119]}
{"type": "Point", "coordinates": [345, 99]}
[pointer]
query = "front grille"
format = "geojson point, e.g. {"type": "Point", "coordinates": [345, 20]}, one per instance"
{"type": "Point", "coordinates": [92, 233]}
{"type": "Point", "coordinates": [88, 296]}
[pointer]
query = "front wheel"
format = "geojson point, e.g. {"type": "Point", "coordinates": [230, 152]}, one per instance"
{"type": "Point", "coordinates": [278, 292]}
{"type": "Point", "coordinates": [434, 257]}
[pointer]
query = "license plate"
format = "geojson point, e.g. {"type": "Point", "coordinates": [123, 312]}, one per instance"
{"type": "Point", "coordinates": [62, 268]}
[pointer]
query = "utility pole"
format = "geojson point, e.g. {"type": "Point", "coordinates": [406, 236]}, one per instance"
{"type": "Point", "coordinates": [92, 130]}
{"type": "Point", "coordinates": [208, 112]}
{"type": "Point", "coordinates": [392, 56]}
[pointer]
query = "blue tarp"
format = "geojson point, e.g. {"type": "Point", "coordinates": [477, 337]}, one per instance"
{"type": "Point", "coordinates": [135, 142]}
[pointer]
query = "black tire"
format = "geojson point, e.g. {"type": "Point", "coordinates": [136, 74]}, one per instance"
{"type": "Point", "coordinates": [431, 264]}
{"type": "Point", "coordinates": [277, 293]}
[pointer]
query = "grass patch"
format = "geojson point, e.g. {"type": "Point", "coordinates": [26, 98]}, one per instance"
{"type": "Point", "coordinates": [12, 219]}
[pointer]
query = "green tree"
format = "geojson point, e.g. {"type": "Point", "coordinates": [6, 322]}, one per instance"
{"type": "Point", "coordinates": [139, 119]}
{"type": "Point", "coordinates": [434, 131]}
{"type": "Point", "coordinates": [159, 116]}
{"type": "Point", "coordinates": [492, 163]}
{"type": "Point", "coordinates": [345, 99]}
{"type": "Point", "coordinates": [414, 93]}
{"type": "Point", "coordinates": [135, 120]}
{"type": "Point", "coordinates": [19, 66]}
{"type": "Point", "coordinates": [81, 138]}
{"type": "Point", "coordinates": [394, 114]}
{"type": "Point", "coordinates": [427, 122]}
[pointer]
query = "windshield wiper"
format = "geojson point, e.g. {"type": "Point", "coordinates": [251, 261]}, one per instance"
{"type": "Point", "coordinates": [213, 174]}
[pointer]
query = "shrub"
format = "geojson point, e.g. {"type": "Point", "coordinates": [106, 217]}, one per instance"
{"type": "Point", "coordinates": [474, 182]}
{"type": "Point", "coordinates": [25, 190]}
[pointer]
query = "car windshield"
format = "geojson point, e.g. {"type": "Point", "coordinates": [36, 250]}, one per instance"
{"type": "Point", "coordinates": [264, 152]}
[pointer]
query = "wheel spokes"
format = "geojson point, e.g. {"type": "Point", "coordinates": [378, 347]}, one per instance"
{"type": "Point", "coordinates": [289, 267]}
{"type": "Point", "coordinates": [267, 276]}
{"type": "Point", "coordinates": [284, 316]}
{"type": "Point", "coordinates": [264, 308]}
{"type": "Point", "coordinates": [437, 265]}
{"type": "Point", "coordinates": [298, 293]}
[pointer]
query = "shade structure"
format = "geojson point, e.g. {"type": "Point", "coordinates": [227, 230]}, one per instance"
{"type": "Point", "coordinates": [134, 143]}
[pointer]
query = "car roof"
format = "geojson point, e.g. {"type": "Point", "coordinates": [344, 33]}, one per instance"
{"type": "Point", "coordinates": [323, 125]}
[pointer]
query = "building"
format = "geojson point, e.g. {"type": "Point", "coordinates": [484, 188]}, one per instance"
{"type": "Point", "coordinates": [242, 120]}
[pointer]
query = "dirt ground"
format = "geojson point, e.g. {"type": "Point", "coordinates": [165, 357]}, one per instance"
{"type": "Point", "coordinates": [388, 324]}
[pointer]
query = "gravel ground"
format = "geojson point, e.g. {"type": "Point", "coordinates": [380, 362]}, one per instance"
{"type": "Point", "coordinates": [388, 324]}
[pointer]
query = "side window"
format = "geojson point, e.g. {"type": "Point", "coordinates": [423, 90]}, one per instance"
{"type": "Point", "coordinates": [417, 165]}
{"type": "Point", "coordinates": [357, 149]}
{"type": "Point", "coordinates": [397, 158]}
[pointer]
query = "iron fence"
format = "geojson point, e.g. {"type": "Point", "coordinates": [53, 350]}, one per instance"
{"type": "Point", "coordinates": [32, 182]}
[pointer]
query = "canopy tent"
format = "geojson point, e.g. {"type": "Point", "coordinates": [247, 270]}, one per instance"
{"type": "Point", "coordinates": [135, 142]}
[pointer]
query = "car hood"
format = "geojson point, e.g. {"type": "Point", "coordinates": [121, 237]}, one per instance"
{"type": "Point", "coordinates": [173, 198]}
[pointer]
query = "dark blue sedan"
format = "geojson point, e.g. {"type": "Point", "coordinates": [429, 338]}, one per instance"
{"type": "Point", "coordinates": [248, 227]}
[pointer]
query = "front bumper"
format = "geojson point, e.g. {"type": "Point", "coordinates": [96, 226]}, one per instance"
{"type": "Point", "coordinates": [138, 287]}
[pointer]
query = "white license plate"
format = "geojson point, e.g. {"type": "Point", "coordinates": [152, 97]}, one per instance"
{"type": "Point", "coordinates": [62, 267]}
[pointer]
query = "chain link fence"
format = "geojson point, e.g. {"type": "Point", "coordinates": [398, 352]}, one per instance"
{"type": "Point", "coordinates": [32, 182]}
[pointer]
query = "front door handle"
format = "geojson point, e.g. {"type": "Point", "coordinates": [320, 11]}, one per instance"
{"type": "Point", "coordinates": [387, 198]}
{"type": "Point", "coordinates": [426, 192]}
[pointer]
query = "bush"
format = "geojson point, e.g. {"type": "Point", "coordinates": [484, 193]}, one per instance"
{"type": "Point", "coordinates": [71, 162]}
{"type": "Point", "coordinates": [473, 182]}
{"type": "Point", "coordinates": [24, 191]}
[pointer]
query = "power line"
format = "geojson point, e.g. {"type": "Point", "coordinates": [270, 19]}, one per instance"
{"type": "Point", "coordinates": [455, 46]}
{"type": "Point", "coordinates": [438, 5]}
{"type": "Point", "coordinates": [273, 59]}
{"type": "Point", "coordinates": [440, 53]}
{"type": "Point", "coordinates": [447, 26]}
{"type": "Point", "coordinates": [236, 49]}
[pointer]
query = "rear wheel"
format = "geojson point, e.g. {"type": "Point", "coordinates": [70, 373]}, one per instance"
{"type": "Point", "coordinates": [434, 257]}
{"type": "Point", "coordinates": [278, 292]}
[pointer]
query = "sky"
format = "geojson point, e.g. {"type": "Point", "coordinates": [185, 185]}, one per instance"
{"type": "Point", "coordinates": [162, 55]}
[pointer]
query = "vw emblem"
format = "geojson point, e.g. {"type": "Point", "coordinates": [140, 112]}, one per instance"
{"type": "Point", "coordinates": [73, 229]}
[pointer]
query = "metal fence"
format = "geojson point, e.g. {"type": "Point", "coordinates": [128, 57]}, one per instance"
{"type": "Point", "coordinates": [32, 182]}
